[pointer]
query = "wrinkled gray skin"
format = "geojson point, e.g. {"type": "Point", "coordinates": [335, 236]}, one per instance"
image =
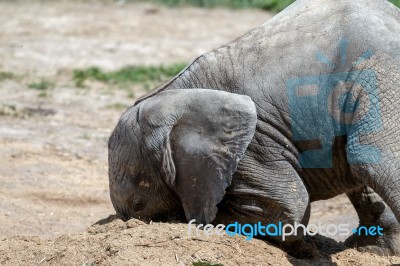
{"type": "Point", "coordinates": [215, 143]}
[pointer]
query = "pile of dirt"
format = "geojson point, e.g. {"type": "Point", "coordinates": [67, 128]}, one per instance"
{"type": "Point", "coordinates": [115, 242]}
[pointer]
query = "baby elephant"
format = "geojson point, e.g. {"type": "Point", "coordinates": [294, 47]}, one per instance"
{"type": "Point", "coordinates": [303, 108]}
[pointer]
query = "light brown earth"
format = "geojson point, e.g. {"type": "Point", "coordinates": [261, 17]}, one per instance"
{"type": "Point", "coordinates": [53, 150]}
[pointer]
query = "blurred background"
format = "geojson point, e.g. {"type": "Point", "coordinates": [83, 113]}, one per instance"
{"type": "Point", "coordinates": [68, 69]}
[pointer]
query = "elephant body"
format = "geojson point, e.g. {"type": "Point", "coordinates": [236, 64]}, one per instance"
{"type": "Point", "coordinates": [303, 108]}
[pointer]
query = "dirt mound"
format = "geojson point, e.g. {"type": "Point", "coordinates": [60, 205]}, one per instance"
{"type": "Point", "coordinates": [114, 242]}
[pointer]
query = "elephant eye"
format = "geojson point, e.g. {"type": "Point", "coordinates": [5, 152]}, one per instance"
{"type": "Point", "coordinates": [140, 174]}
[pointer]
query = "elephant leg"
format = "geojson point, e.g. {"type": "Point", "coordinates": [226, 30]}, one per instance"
{"type": "Point", "coordinates": [296, 245]}
{"type": "Point", "coordinates": [270, 193]}
{"type": "Point", "coordinates": [372, 211]}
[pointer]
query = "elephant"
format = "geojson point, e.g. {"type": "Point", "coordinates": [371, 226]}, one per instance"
{"type": "Point", "coordinates": [303, 108]}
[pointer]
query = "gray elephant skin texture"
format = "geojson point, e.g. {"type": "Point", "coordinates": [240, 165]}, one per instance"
{"type": "Point", "coordinates": [302, 108]}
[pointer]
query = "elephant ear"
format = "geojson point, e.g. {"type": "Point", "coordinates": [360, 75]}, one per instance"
{"type": "Point", "coordinates": [204, 135]}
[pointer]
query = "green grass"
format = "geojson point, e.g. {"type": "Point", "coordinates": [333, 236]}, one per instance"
{"type": "Point", "coordinates": [6, 75]}
{"type": "Point", "coordinates": [395, 2]}
{"type": "Point", "coordinates": [274, 5]}
{"type": "Point", "coordinates": [42, 85]}
{"type": "Point", "coordinates": [128, 75]}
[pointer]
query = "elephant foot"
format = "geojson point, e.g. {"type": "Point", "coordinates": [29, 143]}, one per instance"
{"type": "Point", "coordinates": [386, 245]}
{"type": "Point", "coordinates": [374, 213]}
{"type": "Point", "coordinates": [300, 249]}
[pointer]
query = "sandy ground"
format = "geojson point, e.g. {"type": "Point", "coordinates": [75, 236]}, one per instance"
{"type": "Point", "coordinates": [53, 150]}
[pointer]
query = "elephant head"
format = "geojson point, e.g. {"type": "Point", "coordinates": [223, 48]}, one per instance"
{"type": "Point", "coordinates": [177, 150]}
